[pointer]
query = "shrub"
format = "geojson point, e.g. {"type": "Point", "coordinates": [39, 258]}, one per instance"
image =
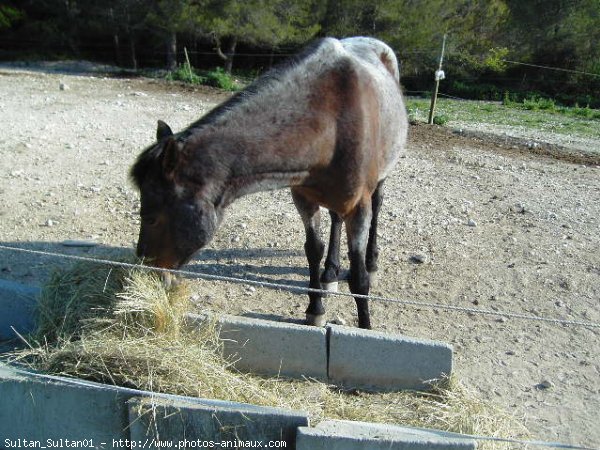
{"type": "Point", "coordinates": [536, 103]}
{"type": "Point", "coordinates": [217, 78]}
{"type": "Point", "coordinates": [185, 73]}
{"type": "Point", "coordinates": [441, 119]}
{"type": "Point", "coordinates": [221, 79]}
{"type": "Point", "coordinates": [509, 99]}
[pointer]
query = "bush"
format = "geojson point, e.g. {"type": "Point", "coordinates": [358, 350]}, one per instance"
{"type": "Point", "coordinates": [187, 74]}
{"type": "Point", "coordinates": [536, 103]}
{"type": "Point", "coordinates": [221, 79]}
{"type": "Point", "coordinates": [476, 91]}
{"type": "Point", "coordinates": [509, 99]}
{"type": "Point", "coordinates": [586, 113]}
{"type": "Point", "coordinates": [217, 78]}
{"type": "Point", "coordinates": [441, 119]}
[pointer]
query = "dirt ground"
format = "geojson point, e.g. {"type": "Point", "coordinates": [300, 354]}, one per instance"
{"type": "Point", "coordinates": [496, 226]}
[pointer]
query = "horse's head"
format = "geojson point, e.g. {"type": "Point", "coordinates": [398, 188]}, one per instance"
{"type": "Point", "coordinates": [176, 220]}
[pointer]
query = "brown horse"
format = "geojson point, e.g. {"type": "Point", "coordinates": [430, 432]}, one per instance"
{"type": "Point", "coordinates": [331, 125]}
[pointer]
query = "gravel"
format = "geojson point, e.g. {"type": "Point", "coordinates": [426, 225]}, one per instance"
{"type": "Point", "coordinates": [64, 176]}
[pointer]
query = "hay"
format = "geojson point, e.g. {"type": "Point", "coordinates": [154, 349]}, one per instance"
{"type": "Point", "coordinates": [125, 328]}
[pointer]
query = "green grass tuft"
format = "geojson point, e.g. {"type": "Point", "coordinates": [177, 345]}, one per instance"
{"type": "Point", "coordinates": [216, 78]}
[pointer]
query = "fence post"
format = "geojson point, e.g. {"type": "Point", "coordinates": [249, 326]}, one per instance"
{"type": "Point", "coordinates": [189, 66]}
{"type": "Point", "coordinates": [439, 75]}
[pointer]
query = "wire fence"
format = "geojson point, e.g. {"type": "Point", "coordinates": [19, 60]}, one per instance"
{"type": "Point", "coordinates": [307, 290]}
{"type": "Point", "coordinates": [297, 289]}
{"type": "Point", "coordinates": [560, 69]}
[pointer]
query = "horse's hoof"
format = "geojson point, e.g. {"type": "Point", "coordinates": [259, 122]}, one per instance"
{"type": "Point", "coordinates": [315, 320]}
{"type": "Point", "coordinates": [373, 280]}
{"type": "Point", "coordinates": [331, 287]}
{"type": "Point", "coordinates": [169, 280]}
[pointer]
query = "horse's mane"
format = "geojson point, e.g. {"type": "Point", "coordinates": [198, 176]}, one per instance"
{"type": "Point", "coordinates": [267, 80]}
{"type": "Point", "coordinates": [148, 158]}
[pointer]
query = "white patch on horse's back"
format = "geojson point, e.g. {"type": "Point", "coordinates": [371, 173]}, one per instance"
{"type": "Point", "coordinates": [292, 82]}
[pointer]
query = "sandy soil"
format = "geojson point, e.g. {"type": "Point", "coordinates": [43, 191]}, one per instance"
{"type": "Point", "coordinates": [497, 227]}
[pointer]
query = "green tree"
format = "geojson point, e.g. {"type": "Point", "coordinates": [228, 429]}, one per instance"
{"type": "Point", "coordinates": [123, 20]}
{"type": "Point", "coordinates": [259, 22]}
{"type": "Point", "coordinates": [171, 17]}
{"type": "Point", "coordinates": [563, 34]}
{"type": "Point", "coordinates": [9, 15]}
{"type": "Point", "coordinates": [415, 29]}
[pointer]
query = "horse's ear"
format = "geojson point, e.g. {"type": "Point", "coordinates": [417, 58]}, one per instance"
{"type": "Point", "coordinates": [163, 131]}
{"type": "Point", "coordinates": [170, 157]}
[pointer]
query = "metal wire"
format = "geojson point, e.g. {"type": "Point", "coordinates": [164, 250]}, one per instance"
{"type": "Point", "coordinates": [298, 289]}
{"type": "Point", "coordinates": [560, 69]}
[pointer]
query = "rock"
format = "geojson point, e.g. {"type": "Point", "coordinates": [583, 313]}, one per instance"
{"type": "Point", "coordinates": [546, 384]}
{"type": "Point", "coordinates": [418, 259]}
{"type": "Point", "coordinates": [63, 86]}
{"type": "Point", "coordinates": [519, 208]}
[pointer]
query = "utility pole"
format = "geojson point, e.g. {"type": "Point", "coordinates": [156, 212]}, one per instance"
{"type": "Point", "coordinates": [439, 75]}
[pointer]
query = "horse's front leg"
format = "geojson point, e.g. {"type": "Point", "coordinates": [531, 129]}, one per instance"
{"type": "Point", "coordinates": [314, 248]}
{"type": "Point", "coordinates": [357, 228]}
{"type": "Point", "coordinates": [329, 277]}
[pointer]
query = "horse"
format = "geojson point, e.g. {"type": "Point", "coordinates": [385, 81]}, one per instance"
{"type": "Point", "coordinates": [330, 124]}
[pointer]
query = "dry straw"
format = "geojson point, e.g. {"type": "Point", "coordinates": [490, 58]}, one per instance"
{"type": "Point", "coordinates": [124, 327]}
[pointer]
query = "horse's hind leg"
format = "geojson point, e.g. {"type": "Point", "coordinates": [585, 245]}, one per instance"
{"type": "Point", "coordinates": [314, 248]}
{"type": "Point", "coordinates": [357, 228]}
{"type": "Point", "coordinates": [329, 277]}
{"type": "Point", "coordinates": [372, 249]}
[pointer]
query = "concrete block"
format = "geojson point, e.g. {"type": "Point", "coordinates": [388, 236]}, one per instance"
{"type": "Point", "coordinates": [17, 308]}
{"type": "Point", "coordinates": [379, 361]}
{"type": "Point", "coordinates": [272, 348]}
{"type": "Point", "coordinates": [41, 408]}
{"type": "Point", "coordinates": [346, 435]}
{"type": "Point", "coordinates": [173, 421]}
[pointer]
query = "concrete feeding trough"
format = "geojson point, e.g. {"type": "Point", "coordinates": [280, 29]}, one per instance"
{"type": "Point", "coordinates": [45, 407]}
{"type": "Point", "coordinates": [42, 407]}
{"type": "Point", "coordinates": [345, 356]}
{"type": "Point", "coordinates": [347, 435]}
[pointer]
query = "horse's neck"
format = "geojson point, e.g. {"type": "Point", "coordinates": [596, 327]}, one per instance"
{"type": "Point", "coordinates": [268, 181]}
{"type": "Point", "coordinates": [254, 160]}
